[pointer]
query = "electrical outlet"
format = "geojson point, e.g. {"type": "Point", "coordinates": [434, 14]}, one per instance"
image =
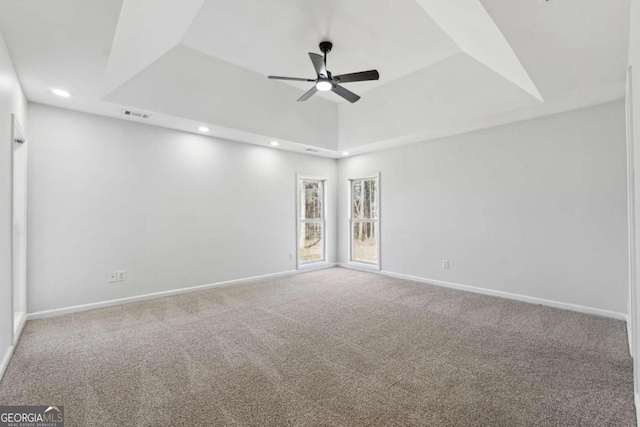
{"type": "Point", "coordinates": [122, 275]}
{"type": "Point", "coordinates": [445, 264]}
{"type": "Point", "coordinates": [290, 256]}
{"type": "Point", "coordinates": [113, 277]}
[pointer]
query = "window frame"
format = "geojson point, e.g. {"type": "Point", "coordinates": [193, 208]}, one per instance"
{"type": "Point", "coordinates": [299, 221]}
{"type": "Point", "coordinates": [363, 264]}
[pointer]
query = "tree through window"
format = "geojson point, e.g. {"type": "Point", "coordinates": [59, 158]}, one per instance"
{"type": "Point", "coordinates": [364, 220]}
{"type": "Point", "coordinates": [311, 221]}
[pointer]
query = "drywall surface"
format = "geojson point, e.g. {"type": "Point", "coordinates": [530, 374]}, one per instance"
{"type": "Point", "coordinates": [180, 84]}
{"type": "Point", "coordinates": [173, 209]}
{"type": "Point", "coordinates": [12, 101]}
{"type": "Point", "coordinates": [536, 208]}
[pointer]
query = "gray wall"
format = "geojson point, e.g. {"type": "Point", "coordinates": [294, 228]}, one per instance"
{"type": "Point", "coordinates": [174, 209]}
{"type": "Point", "coordinates": [12, 101]}
{"type": "Point", "coordinates": [536, 208]}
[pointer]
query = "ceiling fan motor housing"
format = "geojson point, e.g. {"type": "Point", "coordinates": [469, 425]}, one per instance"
{"type": "Point", "coordinates": [325, 47]}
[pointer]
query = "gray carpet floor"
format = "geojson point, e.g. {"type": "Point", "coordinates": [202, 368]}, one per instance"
{"type": "Point", "coordinates": [332, 347]}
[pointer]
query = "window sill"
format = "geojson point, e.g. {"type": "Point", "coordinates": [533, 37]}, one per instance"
{"type": "Point", "coordinates": [364, 265]}
{"type": "Point", "coordinates": [312, 265]}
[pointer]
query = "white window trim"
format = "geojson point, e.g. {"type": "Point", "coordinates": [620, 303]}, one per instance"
{"type": "Point", "coordinates": [313, 264]}
{"type": "Point", "coordinates": [359, 264]}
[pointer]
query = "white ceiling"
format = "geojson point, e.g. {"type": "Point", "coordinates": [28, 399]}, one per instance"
{"type": "Point", "coordinates": [446, 66]}
{"type": "Point", "coordinates": [394, 37]}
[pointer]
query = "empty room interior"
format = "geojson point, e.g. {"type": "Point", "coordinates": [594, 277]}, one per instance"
{"type": "Point", "coordinates": [319, 213]}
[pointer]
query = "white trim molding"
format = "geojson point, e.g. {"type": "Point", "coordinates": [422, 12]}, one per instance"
{"type": "Point", "coordinates": [501, 294]}
{"type": "Point", "coordinates": [377, 266]}
{"type": "Point", "coordinates": [632, 308]}
{"type": "Point", "coordinates": [18, 330]}
{"type": "Point", "coordinates": [632, 302]}
{"type": "Point", "coordinates": [16, 338]}
{"type": "Point", "coordinates": [636, 399]}
{"type": "Point", "coordinates": [5, 361]}
{"type": "Point", "coordinates": [364, 266]}
{"type": "Point", "coordinates": [299, 221]}
{"type": "Point", "coordinates": [120, 301]}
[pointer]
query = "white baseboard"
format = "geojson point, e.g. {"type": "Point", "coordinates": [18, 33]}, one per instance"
{"type": "Point", "coordinates": [5, 361]}
{"type": "Point", "coordinates": [501, 294]}
{"type": "Point", "coordinates": [629, 335]}
{"type": "Point", "coordinates": [18, 333]}
{"type": "Point", "coordinates": [7, 355]}
{"type": "Point", "coordinates": [102, 304]}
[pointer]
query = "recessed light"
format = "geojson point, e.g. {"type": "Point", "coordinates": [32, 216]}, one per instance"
{"type": "Point", "coordinates": [60, 92]}
{"type": "Point", "coordinates": [203, 129]}
{"type": "Point", "coordinates": [345, 153]}
{"type": "Point", "coordinates": [275, 143]}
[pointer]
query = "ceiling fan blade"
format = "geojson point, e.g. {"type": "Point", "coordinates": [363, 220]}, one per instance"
{"type": "Point", "coordinates": [308, 94]}
{"type": "Point", "coordinates": [345, 93]}
{"type": "Point", "coordinates": [357, 77]}
{"type": "Point", "coordinates": [297, 79]}
{"type": "Point", "coordinates": [318, 64]}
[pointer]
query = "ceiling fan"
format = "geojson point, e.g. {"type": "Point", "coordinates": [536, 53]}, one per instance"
{"type": "Point", "coordinates": [327, 82]}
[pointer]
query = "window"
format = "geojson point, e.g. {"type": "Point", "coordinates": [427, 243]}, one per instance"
{"type": "Point", "coordinates": [364, 245]}
{"type": "Point", "coordinates": [311, 221]}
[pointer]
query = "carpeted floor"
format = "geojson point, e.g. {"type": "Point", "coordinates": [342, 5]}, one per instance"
{"type": "Point", "coordinates": [331, 347]}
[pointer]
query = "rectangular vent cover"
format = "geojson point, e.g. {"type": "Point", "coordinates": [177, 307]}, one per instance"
{"type": "Point", "coordinates": [136, 114]}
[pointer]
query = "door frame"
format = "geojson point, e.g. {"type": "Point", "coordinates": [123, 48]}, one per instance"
{"type": "Point", "coordinates": [18, 134]}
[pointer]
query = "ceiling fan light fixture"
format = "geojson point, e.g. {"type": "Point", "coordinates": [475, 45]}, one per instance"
{"type": "Point", "coordinates": [326, 81]}
{"type": "Point", "coordinates": [324, 85]}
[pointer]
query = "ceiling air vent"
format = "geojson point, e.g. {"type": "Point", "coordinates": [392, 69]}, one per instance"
{"type": "Point", "coordinates": [311, 150]}
{"type": "Point", "coordinates": [136, 114]}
